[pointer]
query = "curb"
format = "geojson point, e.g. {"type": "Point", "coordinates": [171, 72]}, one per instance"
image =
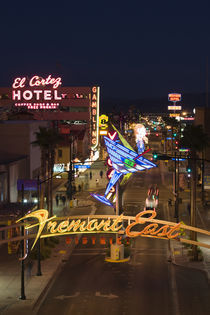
{"type": "Point", "coordinates": [192, 267]}
{"type": "Point", "coordinates": [203, 270]}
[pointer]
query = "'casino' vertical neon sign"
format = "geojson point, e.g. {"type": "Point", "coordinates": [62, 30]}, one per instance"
{"type": "Point", "coordinates": [94, 117]}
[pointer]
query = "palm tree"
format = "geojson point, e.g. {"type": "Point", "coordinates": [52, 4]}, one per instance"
{"type": "Point", "coordinates": [196, 141]}
{"type": "Point", "coordinates": [47, 139]}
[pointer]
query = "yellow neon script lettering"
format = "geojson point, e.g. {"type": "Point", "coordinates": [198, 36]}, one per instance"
{"type": "Point", "coordinates": [151, 229]}
{"type": "Point", "coordinates": [82, 226]}
{"type": "Point", "coordinates": [42, 216]}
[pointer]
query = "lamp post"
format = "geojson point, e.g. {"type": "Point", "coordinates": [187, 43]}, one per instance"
{"type": "Point", "coordinates": [193, 207]}
{"type": "Point", "coordinates": [22, 291]}
{"type": "Point", "coordinates": [39, 273]}
{"type": "Point", "coordinates": [69, 188]}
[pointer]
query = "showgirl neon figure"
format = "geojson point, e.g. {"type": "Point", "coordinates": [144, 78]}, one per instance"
{"type": "Point", "coordinates": [140, 133]}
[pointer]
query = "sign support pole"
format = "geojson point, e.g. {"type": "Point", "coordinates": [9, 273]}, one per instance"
{"type": "Point", "coordinates": [117, 203]}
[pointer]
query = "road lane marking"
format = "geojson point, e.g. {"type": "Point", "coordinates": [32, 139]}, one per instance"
{"type": "Point", "coordinates": [62, 297]}
{"type": "Point", "coordinates": [108, 296]}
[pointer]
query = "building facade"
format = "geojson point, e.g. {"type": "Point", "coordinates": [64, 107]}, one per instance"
{"type": "Point", "coordinates": [72, 110]}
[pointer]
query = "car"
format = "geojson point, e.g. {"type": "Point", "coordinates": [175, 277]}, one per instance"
{"type": "Point", "coordinates": [151, 201]}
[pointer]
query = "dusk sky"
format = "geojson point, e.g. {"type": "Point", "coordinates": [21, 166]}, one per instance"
{"type": "Point", "coordinates": [130, 49]}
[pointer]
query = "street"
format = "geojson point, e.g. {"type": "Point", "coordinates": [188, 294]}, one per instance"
{"type": "Point", "coordinates": [149, 283]}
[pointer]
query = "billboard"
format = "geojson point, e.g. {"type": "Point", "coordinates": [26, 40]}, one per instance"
{"type": "Point", "coordinates": [36, 92]}
{"type": "Point", "coordinates": [174, 97]}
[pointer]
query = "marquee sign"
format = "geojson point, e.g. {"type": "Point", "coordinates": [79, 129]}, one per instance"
{"type": "Point", "coordinates": [127, 225]}
{"type": "Point", "coordinates": [174, 107]}
{"type": "Point", "coordinates": [94, 126]}
{"type": "Point", "coordinates": [36, 92]}
{"type": "Point", "coordinates": [103, 122]}
{"type": "Point", "coordinates": [174, 97]}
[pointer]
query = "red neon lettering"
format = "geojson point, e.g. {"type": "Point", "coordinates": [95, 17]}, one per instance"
{"type": "Point", "coordinates": [112, 136]}
{"type": "Point", "coordinates": [16, 94]}
{"type": "Point", "coordinates": [37, 92]}
{"type": "Point", "coordinates": [47, 95]}
{"type": "Point", "coordinates": [84, 240]}
{"type": "Point", "coordinates": [93, 240]}
{"type": "Point", "coordinates": [102, 241]}
{"type": "Point", "coordinates": [37, 81]}
{"type": "Point", "coordinates": [56, 97]}
{"type": "Point", "coordinates": [18, 82]}
{"type": "Point", "coordinates": [94, 89]}
{"type": "Point", "coordinates": [29, 93]}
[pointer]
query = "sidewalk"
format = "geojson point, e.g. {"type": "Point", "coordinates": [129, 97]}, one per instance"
{"type": "Point", "coordinates": [36, 286]}
{"type": "Point", "coordinates": [179, 251]}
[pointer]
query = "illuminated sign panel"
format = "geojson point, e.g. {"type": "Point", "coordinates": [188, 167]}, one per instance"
{"type": "Point", "coordinates": [111, 224]}
{"type": "Point", "coordinates": [103, 132]}
{"type": "Point", "coordinates": [174, 97]}
{"type": "Point", "coordinates": [94, 128]}
{"type": "Point", "coordinates": [103, 120]}
{"type": "Point", "coordinates": [37, 92]}
{"type": "Point", "coordinates": [174, 107]}
{"type": "Point", "coordinates": [174, 115]}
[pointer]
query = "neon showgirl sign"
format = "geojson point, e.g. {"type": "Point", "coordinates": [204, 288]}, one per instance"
{"type": "Point", "coordinates": [89, 224]}
{"type": "Point", "coordinates": [36, 96]}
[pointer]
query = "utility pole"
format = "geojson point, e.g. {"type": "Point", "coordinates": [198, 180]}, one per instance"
{"type": "Point", "coordinates": [193, 208]}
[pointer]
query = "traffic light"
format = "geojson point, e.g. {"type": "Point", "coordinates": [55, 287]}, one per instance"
{"type": "Point", "coordinates": [174, 134]}
{"type": "Point", "coordinates": [159, 156]}
{"type": "Point", "coordinates": [155, 156]}
{"type": "Point", "coordinates": [189, 170]}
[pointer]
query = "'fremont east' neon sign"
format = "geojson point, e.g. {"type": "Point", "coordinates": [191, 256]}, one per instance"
{"type": "Point", "coordinates": [111, 224]}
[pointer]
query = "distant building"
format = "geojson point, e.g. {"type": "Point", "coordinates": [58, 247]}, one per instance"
{"type": "Point", "coordinates": [202, 117]}
{"type": "Point", "coordinates": [18, 158]}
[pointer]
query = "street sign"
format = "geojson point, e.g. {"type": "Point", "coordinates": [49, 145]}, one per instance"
{"type": "Point", "coordinates": [81, 166]}
{"type": "Point", "coordinates": [28, 184]}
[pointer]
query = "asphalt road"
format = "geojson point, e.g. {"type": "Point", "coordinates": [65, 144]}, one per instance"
{"type": "Point", "coordinates": [148, 284]}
